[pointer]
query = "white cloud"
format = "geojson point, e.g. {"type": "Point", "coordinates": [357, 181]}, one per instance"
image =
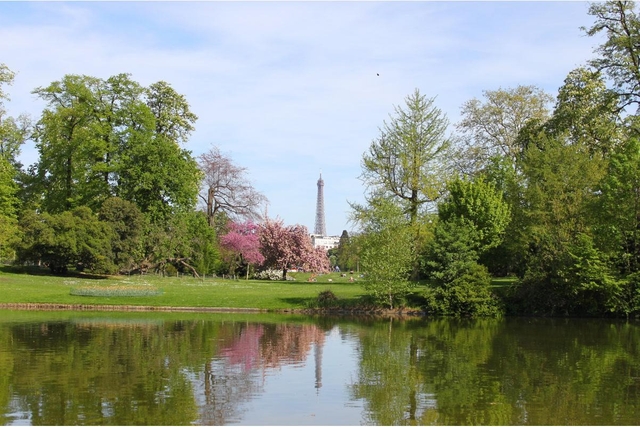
{"type": "Point", "coordinates": [291, 88]}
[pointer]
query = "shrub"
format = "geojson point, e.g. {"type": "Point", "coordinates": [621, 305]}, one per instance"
{"type": "Point", "coordinates": [170, 270]}
{"type": "Point", "coordinates": [326, 299]}
{"type": "Point", "coordinates": [466, 296]}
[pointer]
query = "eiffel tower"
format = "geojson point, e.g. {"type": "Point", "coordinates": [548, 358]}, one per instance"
{"type": "Point", "coordinates": [320, 228]}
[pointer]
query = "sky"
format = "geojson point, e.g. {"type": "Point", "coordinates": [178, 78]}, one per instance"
{"type": "Point", "coordinates": [289, 90]}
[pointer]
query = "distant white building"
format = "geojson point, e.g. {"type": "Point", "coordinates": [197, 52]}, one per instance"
{"type": "Point", "coordinates": [326, 242]}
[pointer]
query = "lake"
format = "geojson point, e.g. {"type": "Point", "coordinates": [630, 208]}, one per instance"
{"type": "Point", "coordinates": [97, 368]}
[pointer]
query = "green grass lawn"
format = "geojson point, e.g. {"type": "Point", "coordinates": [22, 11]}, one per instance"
{"type": "Point", "coordinates": [184, 291]}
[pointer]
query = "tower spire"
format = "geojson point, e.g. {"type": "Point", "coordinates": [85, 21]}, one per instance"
{"type": "Point", "coordinates": [320, 227]}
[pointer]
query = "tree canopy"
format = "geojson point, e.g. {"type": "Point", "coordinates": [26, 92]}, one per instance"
{"type": "Point", "coordinates": [288, 247]}
{"type": "Point", "coordinates": [407, 160]}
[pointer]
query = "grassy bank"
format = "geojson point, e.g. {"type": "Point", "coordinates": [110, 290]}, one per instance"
{"type": "Point", "coordinates": [35, 287]}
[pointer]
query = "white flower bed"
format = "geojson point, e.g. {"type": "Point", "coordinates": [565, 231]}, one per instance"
{"type": "Point", "coordinates": [270, 274]}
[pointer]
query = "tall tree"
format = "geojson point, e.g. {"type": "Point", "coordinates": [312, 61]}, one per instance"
{"type": "Point", "coordinates": [619, 56]}
{"type": "Point", "coordinates": [70, 146]}
{"type": "Point", "coordinates": [617, 233]}
{"type": "Point", "coordinates": [491, 127]}
{"type": "Point", "coordinates": [12, 136]}
{"type": "Point", "coordinates": [173, 117]}
{"type": "Point", "coordinates": [586, 111]}
{"type": "Point", "coordinates": [407, 162]}
{"type": "Point", "coordinates": [9, 232]}
{"type": "Point", "coordinates": [13, 131]}
{"type": "Point", "coordinates": [227, 190]}
{"type": "Point", "coordinates": [388, 252]}
{"type": "Point", "coordinates": [562, 180]}
{"type": "Point", "coordinates": [99, 139]}
{"type": "Point", "coordinates": [160, 177]}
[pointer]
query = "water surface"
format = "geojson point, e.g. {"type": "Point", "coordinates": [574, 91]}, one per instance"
{"type": "Point", "coordinates": [79, 368]}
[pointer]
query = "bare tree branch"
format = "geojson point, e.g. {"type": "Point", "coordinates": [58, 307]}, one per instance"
{"type": "Point", "coordinates": [226, 188]}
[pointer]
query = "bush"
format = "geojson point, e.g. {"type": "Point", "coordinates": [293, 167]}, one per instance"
{"type": "Point", "coordinates": [326, 299]}
{"type": "Point", "coordinates": [466, 296]}
{"type": "Point", "coordinates": [170, 270]}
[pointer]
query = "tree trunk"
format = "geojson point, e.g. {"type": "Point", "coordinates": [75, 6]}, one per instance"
{"type": "Point", "coordinates": [193, 270]}
{"type": "Point", "coordinates": [210, 202]}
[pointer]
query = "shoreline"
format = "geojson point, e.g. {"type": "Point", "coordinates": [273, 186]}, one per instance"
{"type": "Point", "coordinates": [150, 308]}
{"type": "Point", "coordinates": [108, 307]}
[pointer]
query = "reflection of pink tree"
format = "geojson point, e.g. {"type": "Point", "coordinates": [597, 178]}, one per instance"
{"type": "Point", "coordinates": [246, 349]}
{"type": "Point", "coordinates": [241, 245]}
{"type": "Point", "coordinates": [288, 247]}
{"type": "Point", "coordinates": [273, 345]}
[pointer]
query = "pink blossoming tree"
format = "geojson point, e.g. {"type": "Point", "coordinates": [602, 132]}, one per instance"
{"type": "Point", "coordinates": [289, 247]}
{"type": "Point", "coordinates": [241, 245]}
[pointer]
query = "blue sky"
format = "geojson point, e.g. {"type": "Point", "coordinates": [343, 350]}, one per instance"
{"type": "Point", "coordinates": [289, 89]}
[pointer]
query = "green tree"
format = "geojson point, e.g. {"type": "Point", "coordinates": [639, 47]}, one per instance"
{"type": "Point", "coordinates": [479, 202]}
{"type": "Point", "coordinates": [160, 178]}
{"type": "Point", "coordinates": [618, 55]}
{"type": "Point", "coordinates": [586, 112]}
{"type": "Point", "coordinates": [9, 232]}
{"type": "Point", "coordinates": [471, 220]}
{"type": "Point", "coordinates": [619, 208]}
{"type": "Point", "coordinates": [387, 253]}
{"type": "Point", "coordinates": [490, 127]}
{"type": "Point", "coordinates": [347, 252]}
{"type": "Point", "coordinates": [99, 139]}
{"type": "Point", "coordinates": [69, 239]}
{"type": "Point", "coordinates": [452, 251]}
{"type": "Point", "coordinates": [185, 241]}
{"type": "Point", "coordinates": [617, 233]}
{"type": "Point", "coordinates": [202, 250]}
{"type": "Point", "coordinates": [561, 188]}
{"type": "Point", "coordinates": [460, 286]}
{"type": "Point", "coordinates": [70, 145]}
{"type": "Point", "coordinates": [13, 131]}
{"type": "Point", "coordinates": [407, 161]}
{"type": "Point", "coordinates": [13, 134]}
{"type": "Point", "coordinates": [506, 258]}
{"type": "Point", "coordinates": [174, 119]}
{"type": "Point", "coordinates": [127, 224]}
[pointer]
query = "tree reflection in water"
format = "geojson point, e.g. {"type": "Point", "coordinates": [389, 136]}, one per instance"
{"type": "Point", "coordinates": [499, 372]}
{"type": "Point", "coordinates": [238, 373]}
{"type": "Point", "coordinates": [124, 372]}
{"type": "Point", "coordinates": [151, 369]}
